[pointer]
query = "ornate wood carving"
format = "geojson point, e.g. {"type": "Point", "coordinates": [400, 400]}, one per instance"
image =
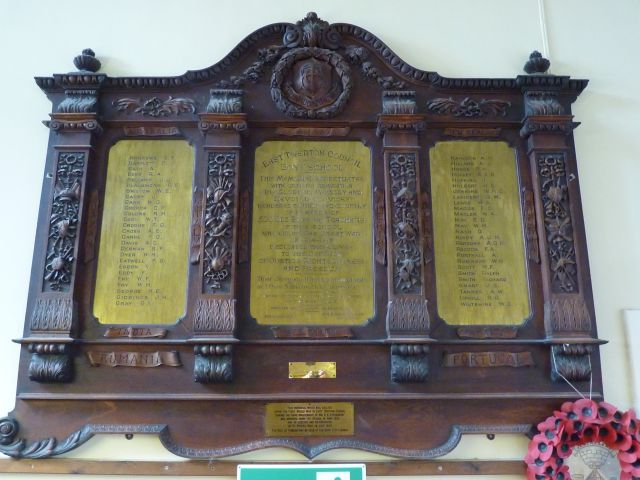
{"type": "Point", "coordinates": [427, 226]}
{"type": "Point", "coordinates": [569, 313]}
{"type": "Point", "coordinates": [215, 315]}
{"type": "Point", "coordinates": [92, 227]}
{"type": "Point", "coordinates": [542, 102]}
{"type": "Point", "coordinates": [408, 315]}
{"type": "Point", "coordinates": [537, 63]}
{"type": "Point", "coordinates": [197, 225]}
{"type": "Point", "coordinates": [218, 222]}
{"type": "Point", "coordinates": [63, 222]}
{"type": "Point", "coordinates": [468, 107]}
{"type": "Point", "coordinates": [533, 250]}
{"type": "Point", "coordinates": [156, 107]}
{"type": "Point", "coordinates": [243, 227]}
{"type": "Point", "coordinates": [312, 67]}
{"type": "Point", "coordinates": [310, 82]}
{"type": "Point", "coordinates": [225, 101]}
{"type": "Point", "coordinates": [571, 361]}
{"type": "Point", "coordinates": [52, 314]}
{"type": "Point", "coordinates": [50, 363]}
{"type": "Point", "coordinates": [409, 363]}
{"type": "Point", "coordinates": [407, 259]}
{"type": "Point", "coordinates": [381, 228]}
{"type": "Point", "coordinates": [558, 224]}
{"type": "Point", "coordinates": [213, 364]}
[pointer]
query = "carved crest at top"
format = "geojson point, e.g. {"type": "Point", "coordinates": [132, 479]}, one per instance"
{"type": "Point", "coordinates": [311, 31]}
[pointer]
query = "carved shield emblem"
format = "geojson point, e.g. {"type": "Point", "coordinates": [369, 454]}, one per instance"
{"type": "Point", "coordinates": [311, 83]}
{"type": "Point", "coordinates": [312, 78]}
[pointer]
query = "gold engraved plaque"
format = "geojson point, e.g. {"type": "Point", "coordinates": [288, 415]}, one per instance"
{"type": "Point", "coordinates": [321, 419]}
{"type": "Point", "coordinates": [312, 245]}
{"type": "Point", "coordinates": [480, 265]}
{"type": "Point", "coordinates": [144, 242]}
{"type": "Point", "coordinates": [312, 370]}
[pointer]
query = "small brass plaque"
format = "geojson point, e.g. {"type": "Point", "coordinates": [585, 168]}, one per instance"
{"type": "Point", "coordinates": [481, 276]}
{"type": "Point", "coordinates": [312, 245]}
{"type": "Point", "coordinates": [144, 240]}
{"type": "Point", "coordinates": [312, 369]}
{"type": "Point", "coordinates": [309, 419]}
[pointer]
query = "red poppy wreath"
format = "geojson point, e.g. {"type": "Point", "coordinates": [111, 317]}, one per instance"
{"type": "Point", "coordinates": [577, 423]}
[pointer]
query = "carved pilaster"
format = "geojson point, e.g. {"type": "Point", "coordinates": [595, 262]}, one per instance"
{"type": "Point", "coordinates": [74, 124]}
{"type": "Point", "coordinates": [407, 314]}
{"type": "Point", "coordinates": [215, 246]}
{"type": "Point", "coordinates": [568, 323]}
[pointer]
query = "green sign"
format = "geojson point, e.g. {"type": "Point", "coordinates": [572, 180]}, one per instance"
{"type": "Point", "coordinates": [302, 472]}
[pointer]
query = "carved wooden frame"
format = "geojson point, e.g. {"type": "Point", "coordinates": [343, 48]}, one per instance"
{"type": "Point", "coordinates": [396, 370]}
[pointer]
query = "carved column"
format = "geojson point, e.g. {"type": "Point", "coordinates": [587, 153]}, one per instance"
{"type": "Point", "coordinates": [52, 314]}
{"type": "Point", "coordinates": [214, 237]}
{"type": "Point", "coordinates": [568, 323]}
{"type": "Point", "coordinates": [407, 315]}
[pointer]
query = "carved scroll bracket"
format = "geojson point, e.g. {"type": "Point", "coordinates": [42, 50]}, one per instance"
{"type": "Point", "coordinates": [213, 363]}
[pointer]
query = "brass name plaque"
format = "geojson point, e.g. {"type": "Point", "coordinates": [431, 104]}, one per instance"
{"type": "Point", "coordinates": [481, 276]}
{"type": "Point", "coordinates": [488, 359]}
{"type": "Point", "coordinates": [144, 242]}
{"type": "Point", "coordinates": [309, 419]}
{"type": "Point", "coordinates": [312, 246]}
{"type": "Point", "coordinates": [134, 359]}
{"type": "Point", "coordinates": [312, 370]}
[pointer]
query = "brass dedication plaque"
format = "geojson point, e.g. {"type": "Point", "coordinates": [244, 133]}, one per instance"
{"type": "Point", "coordinates": [480, 265]}
{"type": "Point", "coordinates": [322, 419]}
{"type": "Point", "coordinates": [312, 245]}
{"type": "Point", "coordinates": [142, 265]}
{"type": "Point", "coordinates": [307, 370]}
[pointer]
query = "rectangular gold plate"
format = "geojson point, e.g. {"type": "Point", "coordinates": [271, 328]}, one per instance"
{"type": "Point", "coordinates": [143, 257]}
{"type": "Point", "coordinates": [322, 419]}
{"type": "Point", "coordinates": [312, 245]}
{"type": "Point", "coordinates": [312, 370]}
{"type": "Point", "coordinates": [481, 276]}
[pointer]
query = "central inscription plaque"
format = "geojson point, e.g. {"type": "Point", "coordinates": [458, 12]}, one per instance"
{"type": "Point", "coordinates": [309, 419]}
{"type": "Point", "coordinates": [142, 266]}
{"type": "Point", "coordinates": [478, 241]}
{"type": "Point", "coordinates": [312, 252]}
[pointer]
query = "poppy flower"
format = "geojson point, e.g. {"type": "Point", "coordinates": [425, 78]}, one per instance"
{"type": "Point", "coordinates": [630, 454]}
{"type": "Point", "coordinates": [607, 435]}
{"type": "Point", "coordinates": [606, 411]}
{"type": "Point", "coordinates": [632, 468]}
{"type": "Point", "coordinates": [541, 446]}
{"type": "Point", "coordinates": [583, 410]}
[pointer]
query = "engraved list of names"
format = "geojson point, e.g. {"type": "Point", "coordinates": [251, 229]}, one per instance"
{"type": "Point", "coordinates": [312, 253]}
{"type": "Point", "coordinates": [478, 238]}
{"type": "Point", "coordinates": [142, 264]}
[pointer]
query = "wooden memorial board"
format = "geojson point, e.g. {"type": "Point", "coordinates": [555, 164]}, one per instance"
{"type": "Point", "coordinates": [310, 244]}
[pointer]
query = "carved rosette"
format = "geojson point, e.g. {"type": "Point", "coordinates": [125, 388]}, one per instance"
{"type": "Point", "coordinates": [63, 222]}
{"type": "Point", "coordinates": [219, 222]}
{"type": "Point", "coordinates": [407, 258]}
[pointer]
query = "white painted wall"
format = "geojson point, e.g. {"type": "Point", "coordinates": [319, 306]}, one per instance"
{"type": "Point", "coordinates": [586, 38]}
